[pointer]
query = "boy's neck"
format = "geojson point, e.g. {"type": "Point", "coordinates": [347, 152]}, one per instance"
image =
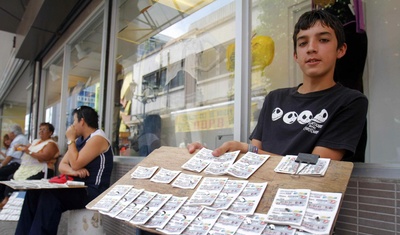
{"type": "Point", "coordinates": [88, 131]}
{"type": "Point", "coordinates": [308, 87]}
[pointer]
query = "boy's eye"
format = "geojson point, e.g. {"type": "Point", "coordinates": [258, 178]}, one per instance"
{"type": "Point", "coordinates": [324, 40]}
{"type": "Point", "coordinates": [301, 44]}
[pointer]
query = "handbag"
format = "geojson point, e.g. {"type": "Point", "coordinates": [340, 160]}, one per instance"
{"type": "Point", "coordinates": [61, 179]}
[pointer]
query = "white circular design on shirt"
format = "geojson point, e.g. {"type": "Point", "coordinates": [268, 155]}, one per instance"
{"type": "Point", "coordinates": [290, 117]}
{"type": "Point", "coordinates": [322, 116]}
{"type": "Point", "coordinates": [276, 114]}
{"type": "Point", "coordinates": [305, 117]}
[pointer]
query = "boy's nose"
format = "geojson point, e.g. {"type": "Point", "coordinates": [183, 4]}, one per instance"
{"type": "Point", "coordinates": [312, 46]}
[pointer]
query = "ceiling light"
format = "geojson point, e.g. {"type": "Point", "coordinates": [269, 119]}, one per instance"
{"type": "Point", "coordinates": [81, 52]}
{"type": "Point", "coordinates": [55, 72]}
{"type": "Point", "coordinates": [183, 5]}
{"type": "Point", "coordinates": [143, 5]}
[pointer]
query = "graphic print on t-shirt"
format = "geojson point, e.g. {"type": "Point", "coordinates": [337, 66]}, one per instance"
{"type": "Point", "coordinates": [306, 117]}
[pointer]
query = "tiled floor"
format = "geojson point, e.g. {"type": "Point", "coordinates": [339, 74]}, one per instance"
{"type": "Point", "coordinates": [8, 227]}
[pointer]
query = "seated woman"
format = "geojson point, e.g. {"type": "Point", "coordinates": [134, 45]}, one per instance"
{"type": "Point", "coordinates": [6, 145]}
{"type": "Point", "coordinates": [38, 160]}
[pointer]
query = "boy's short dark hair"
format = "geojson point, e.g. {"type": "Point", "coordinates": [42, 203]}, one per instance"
{"type": "Point", "coordinates": [89, 114]}
{"type": "Point", "coordinates": [308, 19]}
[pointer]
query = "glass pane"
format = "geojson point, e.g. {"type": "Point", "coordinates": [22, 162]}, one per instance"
{"type": "Point", "coordinates": [176, 87]}
{"type": "Point", "coordinates": [273, 65]}
{"type": "Point", "coordinates": [84, 75]}
{"type": "Point", "coordinates": [53, 94]}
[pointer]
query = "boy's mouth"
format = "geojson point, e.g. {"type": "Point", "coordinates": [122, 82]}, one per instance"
{"type": "Point", "coordinates": [311, 61]}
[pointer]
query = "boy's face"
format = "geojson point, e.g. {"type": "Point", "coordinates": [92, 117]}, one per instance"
{"type": "Point", "coordinates": [317, 51]}
{"type": "Point", "coordinates": [77, 124]}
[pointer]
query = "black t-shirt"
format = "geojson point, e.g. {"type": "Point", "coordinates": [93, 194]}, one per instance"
{"type": "Point", "coordinates": [292, 123]}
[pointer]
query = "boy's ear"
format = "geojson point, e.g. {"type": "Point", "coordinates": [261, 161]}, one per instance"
{"type": "Point", "coordinates": [295, 55]}
{"type": "Point", "coordinates": [341, 51]}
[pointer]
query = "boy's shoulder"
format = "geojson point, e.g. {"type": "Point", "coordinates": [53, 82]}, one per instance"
{"type": "Point", "coordinates": [338, 92]}
{"type": "Point", "coordinates": [347, 96]}
{"type": "Point", "coordinates": [349, 92]}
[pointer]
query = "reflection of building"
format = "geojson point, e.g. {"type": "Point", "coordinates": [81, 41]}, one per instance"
{"type": "Point", "coordinates": [87, 98]}
{"type": "Point", "coordinates": [150, 136]}
{"type": "Point", "coordinates": [190, 71]}
{"type": "Point", "coordinates": [51, 69]}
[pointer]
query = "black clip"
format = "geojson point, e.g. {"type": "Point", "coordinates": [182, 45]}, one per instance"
{"type": "Point", "coordinates": [307, 158]}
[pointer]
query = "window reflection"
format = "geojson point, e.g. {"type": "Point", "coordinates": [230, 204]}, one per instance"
{"type": "Point", "coordinates": [174, 59]}
{"type": "Point", "coordinates": [83, 76]}
{"type": "Point", "coordinates": [53, 94]}
{"type": "Point", "coordinates": [84, 73]}
{"type": "Point", "coordinates": [273, 65]}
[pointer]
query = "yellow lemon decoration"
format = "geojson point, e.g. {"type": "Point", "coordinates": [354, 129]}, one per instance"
{"type": "Point", "coordinates": [262, 51]}
{"type": "Point", "coordinates": [230, 55]}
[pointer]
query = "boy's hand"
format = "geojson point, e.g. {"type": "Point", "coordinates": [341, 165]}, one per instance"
{"type": "Point", "coordinates": [71, 133]}
{"type": "Point", "coordinates": [81, 173]}
{"type": "Point", "coordinates": [194, 146]}
{"type": "Point", "coordinates": [230, 146]}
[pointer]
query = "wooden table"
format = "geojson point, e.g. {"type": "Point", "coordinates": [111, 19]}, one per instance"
{"type": "Point", "coordinates": [172, 158]}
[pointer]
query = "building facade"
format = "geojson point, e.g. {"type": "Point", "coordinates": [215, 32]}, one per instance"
{"type": "Point", "coordinates": [173, 72]}
{"type": "Point", "coordinates": [134, 59]}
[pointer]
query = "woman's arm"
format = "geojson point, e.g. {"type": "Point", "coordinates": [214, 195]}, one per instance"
{"type": "Point", "coordinates": [46, 154]}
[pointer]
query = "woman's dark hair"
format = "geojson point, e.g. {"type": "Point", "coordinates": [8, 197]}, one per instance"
{"type": "Point", "coordinates": [152, 124]}
{"type": "Point", "coordinates": [49, 126]}
{"type": "Point", "coordinates": [308, 19]}
{"type": "Point", "coordinates": [88, 114]}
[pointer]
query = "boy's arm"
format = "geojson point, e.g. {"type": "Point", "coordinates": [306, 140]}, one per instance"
{"type": "Point", "coordinates": [92, 149]}
{"type": "Point", "coordinates": [65, 168]}
{"type": "Point", "coordinates": [334, 154]}
{"type": "Point", "coordinates": [229, 146]}
{"type": "Point", "coordinates": [258, 144]}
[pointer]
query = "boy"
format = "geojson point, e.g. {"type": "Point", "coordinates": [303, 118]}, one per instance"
{"type": "Point", "coordinates": [319, 116]}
